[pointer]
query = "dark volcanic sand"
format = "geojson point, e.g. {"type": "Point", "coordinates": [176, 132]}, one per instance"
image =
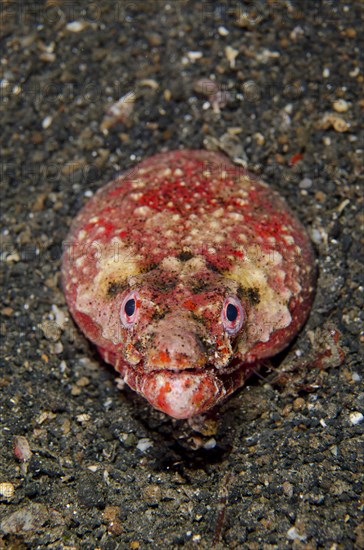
{"type": "Point", "coordinates": [105, 470]}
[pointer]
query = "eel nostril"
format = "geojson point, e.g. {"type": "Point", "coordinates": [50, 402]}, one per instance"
{"type": "Point", "coordinates": [200, 343]}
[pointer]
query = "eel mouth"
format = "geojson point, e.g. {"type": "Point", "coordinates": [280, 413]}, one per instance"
{"type": "Point", "coordinates": [179, 394]}
{"type": "Point", "coordinates": [185, 393]}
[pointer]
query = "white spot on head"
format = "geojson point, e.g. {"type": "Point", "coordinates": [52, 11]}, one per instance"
{"type": "Point", "coordinates": [235, 216]}
{"type": "Point", "coordinates": [274, 257]}
{"type": "Point", "coordinates": [288, 239]}
{"type": "Point", "coordinates": [218, 213]}
{"type": "Point", "coordinates": [138, 183]}
{"type": "Point", "coordinates": [116, 240]}
{"type": "Point", "coordinates": [218, 238]}
{"type": "Point", "coordinates": [136, 196]}
{"type": "Point", "coordinates": [143, 211]}
{"type": "Point", "coordinates": [213, 224]}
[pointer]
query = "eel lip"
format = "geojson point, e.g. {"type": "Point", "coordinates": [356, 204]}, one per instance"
{"type": "Point", "coordinates": [180, 394]}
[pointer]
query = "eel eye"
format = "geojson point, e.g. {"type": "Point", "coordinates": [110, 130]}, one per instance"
{"type": "Point", "coordinates": [232, 315]}
{"type": "Point", "coordinates": [129, 309]}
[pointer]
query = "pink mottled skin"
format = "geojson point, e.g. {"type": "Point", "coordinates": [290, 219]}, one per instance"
{"type": "Point", "coordinates": [186, 272]}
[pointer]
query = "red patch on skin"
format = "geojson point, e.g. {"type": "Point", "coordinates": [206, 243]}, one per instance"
{"type": "Point", "coordinates": [163, 357]}
{"type": "Point", "coordinates": [89, 226]}
{"type": "Point", "coordinates": [190, 305]}
{"type": "Point", "coordinates": [108, 227]}
{"type": "Point", "coordinates": [161, 400]}
{"type": "Point", "coordinates": [89, 326]}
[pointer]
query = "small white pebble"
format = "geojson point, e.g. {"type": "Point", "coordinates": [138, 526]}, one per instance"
{"type": "Point", "coordinates": [334, 450]}
{"type": "Point", "coordinates": [356, 377]}
{"type": "Point", "coordinates": [323, 423]}
{"type": "Point", "coordinates": [355, 72]}
{"type": "Point", "coordinates": [83, 418]}
{"type": "Point", "coordinates": [297, 33]}
{"type": "Point", "coordinates": [193, 56]}
{"type": "Point", "coordinates": [42, 417]}
{"type": "Point", "coordinates": [7, 489]}
{"type": "Point", "coordinates": [62, 366]}
{"type": "Point", "coordinates": [293, 534]}
{"type": "Point", "coordinates": [144, 444]}
{"type": "Point", "coordinates": [60, 317]}
{"type": "Point", "coordinates": [76, 26]}
{"type": "Point", "coordinates": [4, 83]}
{"type": "Point", "coordinates": [210, 444]}
{"type": "Point", "coordinates": [316, 236]}
{"type": "Point", "coordinates": [305, 183]}
{"type": "Point", "coordinates": [46, 122]}
{"type": "Point", "coordinates": [231, 54]}
{"type": "Point", "coordinates": [341, 106]}
{"type": "Point", "coordinates": [326, 72]}
{"type": "Point", "coordinates": [356, 417]}
{"type": "Point", "coordinates": [120, 384]}
{"type": "Point", "coordinates": [222, 31]}
{"type": "Point", "coordinates": [259, 138]}
{"type": "Point", "coordinates": [58, 348]}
